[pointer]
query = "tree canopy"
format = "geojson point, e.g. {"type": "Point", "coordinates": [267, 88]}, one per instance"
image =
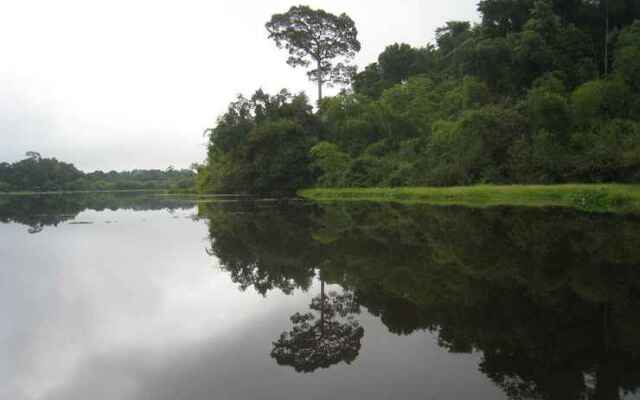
{"type": "Point", "coordinates": [318, 37]}
{"type": "Point", "coordinates": [541, 91]}
{"type": "Point", "coordinates": [36, 173]}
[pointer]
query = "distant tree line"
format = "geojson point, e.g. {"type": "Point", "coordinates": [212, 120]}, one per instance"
{"type": "Point", "coordinates": [539, 92]}
{"type": "Point", "coordinates": [39, 174]}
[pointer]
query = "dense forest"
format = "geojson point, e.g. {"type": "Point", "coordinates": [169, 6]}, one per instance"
{"type": "Point", "coordinates": [39, 174]}
{"type": "Point", "coordinates": [538, 92]}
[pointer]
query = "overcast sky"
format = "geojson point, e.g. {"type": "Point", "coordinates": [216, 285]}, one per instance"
{"type": "Point", "coordinates": [125, 84]}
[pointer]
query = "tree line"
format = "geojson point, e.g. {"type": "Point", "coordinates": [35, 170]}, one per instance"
{"type": "Point", "coordinates": [538, 92]}
{"type": "Point", "coordinates": [38, 174]}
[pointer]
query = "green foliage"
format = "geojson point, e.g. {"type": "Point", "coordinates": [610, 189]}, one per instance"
{"type": "Point", "coordinates": [331, 162]}
{"type": "Point", "coordinates": [537, 93]}
{"type": "Point", "coordinates": [452, 35]}
{"type": "Point", "coordinates": [600, 100]}
{"type": "Point", "coordinates": [611, 198]}
{"type": "Point", "coordinates": [397, 62]}
{"type": "Point", "coordinates": [591, 200]}
{"type": "Point", "coordinates": [501, 17]}
{"type": "Point", "coordinates": [610, 151]}
{"type": "Point", "coordinates": [547, 108]}
{"type": "Point", "coordinates": [316, 36]}
{"type": "Point", "coordinates": [627, 56]}
{"type": "Point", "coordinates": [261, 145]}
{"type": "Point", "coordinates": [5, 187]}
{"type": "Point", "coordinates": [38, 174]}
{"type": "Point", "coordinates": [369, 82]}
{"type": "Point", "coordinates": [275, 149]}
{"type": "Point", "coordinates": [367, 171]}
{"type": "Point", "coordinates": [475, 92]}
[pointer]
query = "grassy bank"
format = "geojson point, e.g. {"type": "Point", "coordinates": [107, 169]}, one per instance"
{"type": "Point", "coordinates": [589, 197]}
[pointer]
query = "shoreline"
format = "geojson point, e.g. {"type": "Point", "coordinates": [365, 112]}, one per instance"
{"type": "Point", "coordinates": [618, 198]}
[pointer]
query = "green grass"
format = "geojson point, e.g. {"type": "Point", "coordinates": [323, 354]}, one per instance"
{"type": "Point", "coordinates": [589, 197]}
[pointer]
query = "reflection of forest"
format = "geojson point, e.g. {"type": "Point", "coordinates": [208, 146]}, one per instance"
{"type": "Point", "coordinates": [39, 211]}
{"type": "Point", "coordinates": [550, 296]}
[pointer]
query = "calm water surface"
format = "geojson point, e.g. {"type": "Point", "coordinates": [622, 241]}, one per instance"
{"type": "Point", "coordinates": [142, 297]}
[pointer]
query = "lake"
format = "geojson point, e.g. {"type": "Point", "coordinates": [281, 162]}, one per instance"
{"type": "Point", "coordinates": [136, 296]}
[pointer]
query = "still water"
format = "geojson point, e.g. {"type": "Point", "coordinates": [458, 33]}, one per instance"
{"type": "Point", "coordinates": [152, 297]}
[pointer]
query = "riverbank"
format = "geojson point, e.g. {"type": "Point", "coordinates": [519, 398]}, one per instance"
{"type": "Point", "coordinates": [622, 198]}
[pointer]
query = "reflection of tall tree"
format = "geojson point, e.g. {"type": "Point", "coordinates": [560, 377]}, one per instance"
{"type": "Point", "coordinates": [321, 341]}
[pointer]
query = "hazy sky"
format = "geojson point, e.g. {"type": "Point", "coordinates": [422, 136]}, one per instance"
{"type": "Point", "coordinates": [125, 84]}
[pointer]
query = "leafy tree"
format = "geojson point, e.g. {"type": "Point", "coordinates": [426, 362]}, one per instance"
{"type": "Point", "coordinates": [33, 155]}
{"type": "Point", "coordinates": [367, 171]}
{"type": "Point", "coordinates": [501, 17]}
{"type": "Point", "coordinates": [274, 150]}
{"type": "Point", "coordinates": [608, 151]}
{"type": "Point", "coordinates": [261, 145]}
{"type": "Point", "coordinates": [369, 82]}
{"type": "Point", "coordinates": [534, 46]}
{"type": "Point", "coordinates": [493, 58]}
{"type": "Point", "coordinates": [475, 92]}
{"type": "Point", "coordinates": [397, 62]}
{"type": "Point", "coordinates": [524, 97]}
{"type": "Point", "coordinates": [452, 35]}
{"type": "Point", "coordinates": [316, 36]}
{"type": "Point", "coordinates": [601, 99]}
{"type": "Point", "coordinates": [627, 56]}
{"type": "Point", "coordinates": [37, 173]}
{"type": "Point", "coordinates": [548, 108]}
{"type": "Point", "coordinates": [351, 122]}
{"type": "Point", "coordinates": [331, 162]}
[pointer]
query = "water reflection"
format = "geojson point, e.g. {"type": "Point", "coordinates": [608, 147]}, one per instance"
{"type": "Point", "coordinates": [355, 300]}
{"type": "Point", "coordinates": [40, 211]}
{"type": "Point", "coordinates": [549, 296]}
{"type": "Point", "coordinates": [321, 341]}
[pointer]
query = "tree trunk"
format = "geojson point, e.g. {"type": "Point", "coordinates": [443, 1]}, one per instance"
{"type": "Point", "coordinates": [319, 83]}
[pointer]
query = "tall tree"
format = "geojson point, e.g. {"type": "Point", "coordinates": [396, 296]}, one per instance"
{"type": "Point", "coordinates": [33, 155]}
{"type": "Point", "coordinates": [319, 37]}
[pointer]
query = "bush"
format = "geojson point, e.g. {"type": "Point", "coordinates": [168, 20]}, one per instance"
{"type": "Point", "coordinates": [330, 163]}
{"type": "Point", "coordinates": [367, 172]}
{"type": "Point", "coordinates": [600, 100]}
